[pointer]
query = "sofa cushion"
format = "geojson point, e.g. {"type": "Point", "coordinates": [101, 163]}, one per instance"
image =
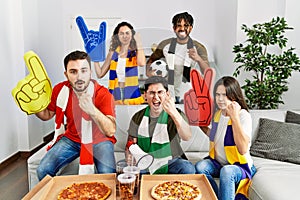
{"type": "Point", "coordinates": [274, 180]}
{"type": "Point", "coordinates": [275, 114]}
{"type": "Point", "coordinates": [278, 141]}
{"type": "Point", "coordinates": [292, 117]}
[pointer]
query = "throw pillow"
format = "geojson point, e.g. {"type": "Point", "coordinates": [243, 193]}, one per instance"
{"type": "Point", "coordinates": [292, 117]}
{"type": "Point", "coordinates": [278, 141]}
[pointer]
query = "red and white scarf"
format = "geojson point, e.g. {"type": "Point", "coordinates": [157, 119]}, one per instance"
{"type": "Point", "coordinates": [86, 163]}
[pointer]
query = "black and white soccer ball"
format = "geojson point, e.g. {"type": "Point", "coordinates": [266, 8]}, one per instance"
{"type": "Point", "coordinates": [161, 68]}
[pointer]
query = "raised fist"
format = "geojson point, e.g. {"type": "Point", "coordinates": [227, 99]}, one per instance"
{"type": "Point", "coordinates": [33, 93]}
{"type": "Point", "coordinates": [94, 41]}
{"type": "Point", "coordinates": [198, 102]}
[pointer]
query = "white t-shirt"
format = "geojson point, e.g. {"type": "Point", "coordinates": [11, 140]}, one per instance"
{"type": "Point", "coordinates": [121, 69]}
{"type": "Point", "coordinates": [180, 54]}
{"type": "Point", "coordinates": [246, 123]}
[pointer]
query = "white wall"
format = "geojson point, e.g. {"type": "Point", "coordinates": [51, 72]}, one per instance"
{"type": "Point", "coordinates": [264, 11]}
{"type": "Point", "coordinates": [13, 123]}
{"type": "Point", "coordinates": [292, 14]}
{"type": "Point", "coordinates": [148, 16]}
{"type": "Point", "coordinates": [45, 26]}
{"type": "Point", "coordinates": [225, 35]}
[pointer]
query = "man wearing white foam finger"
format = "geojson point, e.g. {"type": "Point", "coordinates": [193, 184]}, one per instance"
{"type": "Point", "coordinates": [90, 121]}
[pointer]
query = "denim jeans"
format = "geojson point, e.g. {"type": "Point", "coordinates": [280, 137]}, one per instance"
{"type": "Point", "coordinates": [65, 151]}
{"type": "Point", "coordinates": [178, 166]}
{"type": "Point", "coordinates": [230, 176]}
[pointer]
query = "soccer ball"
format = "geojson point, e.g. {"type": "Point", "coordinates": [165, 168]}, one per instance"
{"type": "Point", "coordinates": [161, 68]}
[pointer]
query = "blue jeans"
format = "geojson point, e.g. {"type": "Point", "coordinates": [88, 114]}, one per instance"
{"type": "Point", "coordinates": [65, 151]}
{"type": "Point", "coordinates": [230, 176]}
{"type": "Point", "coordinates": [178, 166]}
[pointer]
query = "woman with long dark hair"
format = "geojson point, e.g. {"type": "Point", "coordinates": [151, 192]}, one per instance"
{"type": "Point", "coordinates": [230, 137]}
{"type": "Point", "coordinates": [125, 55]}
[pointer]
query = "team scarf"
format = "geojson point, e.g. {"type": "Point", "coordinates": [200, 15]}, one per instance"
{"type": "Point", "coordinates": [171, 62]}
{"type": "Point", "coordinates": [86, 161]}
{"type": "Point", "coordinates": [159, 145]}
{"type": "Point", "coordinates": [132, 94]}
{"type": "Point", "coordinates": [233, 157]}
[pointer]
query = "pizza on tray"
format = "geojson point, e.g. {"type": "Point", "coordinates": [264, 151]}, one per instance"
{"type": "Point", "coordinates": [179, 190]}
{"type": "Point", "coordinates": [85, 190]}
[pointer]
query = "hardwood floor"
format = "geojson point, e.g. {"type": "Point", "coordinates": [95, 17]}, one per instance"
{"type": "Point", "coordinates": [13, 173]}
{"type": "Point", "coordinates": [14, 180]}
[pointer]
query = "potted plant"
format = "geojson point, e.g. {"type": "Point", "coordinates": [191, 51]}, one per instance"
{"type": "Point", "coordinates": [269, 70]}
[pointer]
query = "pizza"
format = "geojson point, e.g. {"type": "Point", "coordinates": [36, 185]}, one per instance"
{"type": "Point", "coordinates": [86, 190]}
{"type": "Point", "coordinates": [176, 190]}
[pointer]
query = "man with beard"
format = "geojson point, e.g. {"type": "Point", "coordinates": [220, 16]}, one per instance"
{"type": "Point", "coordinates": [158, 130]}
{"type": "Point", "coordinates": [90, 121]}
{"type": "Point", "coordinates": [181, 54]}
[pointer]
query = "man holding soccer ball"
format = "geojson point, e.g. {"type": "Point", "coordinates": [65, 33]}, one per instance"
{"type": "Point", "coordinates": [181, 54]}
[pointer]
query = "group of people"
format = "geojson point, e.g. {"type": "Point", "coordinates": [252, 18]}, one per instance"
{"type": "Point", "coordinates": [126, 54]}
{"type": "Point", "coordinates": [157, 129]}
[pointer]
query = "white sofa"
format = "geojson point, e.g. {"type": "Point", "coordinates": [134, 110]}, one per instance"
{"type": "Point", "coordinates": [273, 180]}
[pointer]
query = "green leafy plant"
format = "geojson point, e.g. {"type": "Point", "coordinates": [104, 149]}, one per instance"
{"type": "Point", "coordinates": [269, 71]}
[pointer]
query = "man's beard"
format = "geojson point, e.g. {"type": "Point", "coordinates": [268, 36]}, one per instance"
{"type": "Point", "coordinates": [83, 86]}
